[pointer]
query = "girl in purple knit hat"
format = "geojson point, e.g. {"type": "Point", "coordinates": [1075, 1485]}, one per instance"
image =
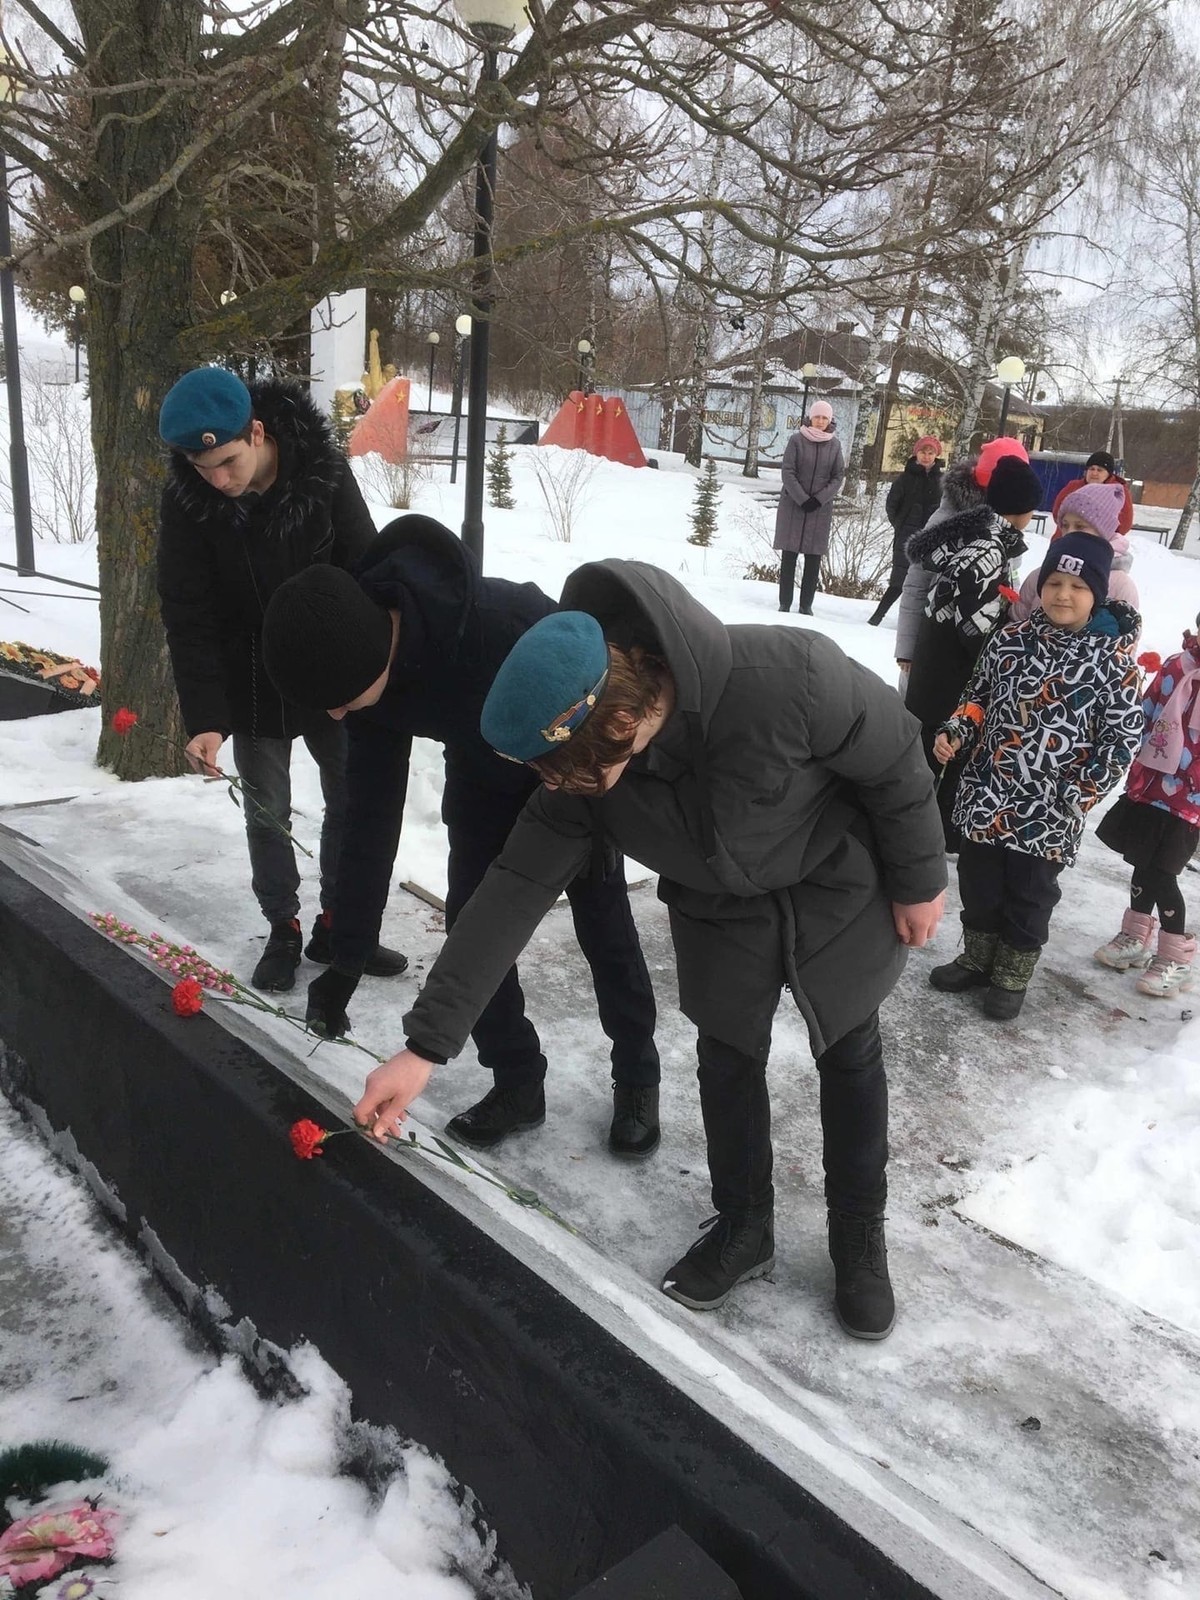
{"type": "Point", "coordinates": [1155, 825]}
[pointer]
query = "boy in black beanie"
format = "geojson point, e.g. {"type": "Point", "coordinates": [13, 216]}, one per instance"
{"type": "Point", "coordinates": [408, 647]}
{"type": "Point", "coordinates": [1049, 722]}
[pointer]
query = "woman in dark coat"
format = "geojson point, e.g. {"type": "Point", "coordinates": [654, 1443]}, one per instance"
{"type": "Point", "coordinates": [972, 559]}
{"type": "Point", "coordinates": [780, 791]}
{"type": "Point", "coordinates": [911, 501]}
{"type": "Point", "coordinates": [812, 472]}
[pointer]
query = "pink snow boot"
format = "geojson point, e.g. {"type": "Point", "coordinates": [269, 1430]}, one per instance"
{"type": "Point", "coordinates": [1129, 949]}
{"type": "Point", "coordinates": [1171, 970]}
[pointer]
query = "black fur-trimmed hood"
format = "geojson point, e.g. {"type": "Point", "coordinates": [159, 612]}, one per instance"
{"type": "Point", "coordinates": [310, 465]}
{"type": "Point", "coordinates": [930, 547]}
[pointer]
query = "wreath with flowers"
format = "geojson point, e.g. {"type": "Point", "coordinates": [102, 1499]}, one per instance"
{"type": "Point", "coordinates": [73, 682]}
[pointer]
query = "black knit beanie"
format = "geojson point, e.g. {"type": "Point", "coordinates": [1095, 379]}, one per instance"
{"type": "Point", "coordinates": [1013, 487]}
{"type": "Point", "coordinates": [324, 641]}
{"type": "Point", "coordinates": [1101, 458]}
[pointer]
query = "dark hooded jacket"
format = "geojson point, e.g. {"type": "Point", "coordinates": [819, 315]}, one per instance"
{"type": "Point", "coordinates": [787, 791]}
{"type": "Point", "coordinates": [455, 629]}
{"type": "Point", "coordinates": [220, 560]}
{"type": "Point", "coordinates": [960, 492]}
{"type": "Point", "coordinates": [970, 559]}
{"type": "Point", "coordinates": [913, 497]}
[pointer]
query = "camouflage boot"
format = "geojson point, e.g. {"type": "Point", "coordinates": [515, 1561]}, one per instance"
{"type": "Point", "coordinates": [970, 970]}
{"type": "Point", "coordinates": [1011, 972]}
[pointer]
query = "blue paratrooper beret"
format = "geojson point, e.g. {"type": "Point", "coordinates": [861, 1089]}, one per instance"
{"type": "Point", "coordinates": [206, 408]}
{"type": "Point", "coordinates": [547, 687]}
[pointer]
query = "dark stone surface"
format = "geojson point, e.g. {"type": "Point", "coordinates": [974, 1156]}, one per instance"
{"type": "Point", "coordinates": [578, 1451]}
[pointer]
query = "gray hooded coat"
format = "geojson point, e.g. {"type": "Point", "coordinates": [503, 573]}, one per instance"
{"type": "Point", "coordinates": [960, 492]}
{"type": "Point", "coordinates": [785, 802]}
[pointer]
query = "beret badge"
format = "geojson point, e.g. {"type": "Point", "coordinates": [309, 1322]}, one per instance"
{"type": "Point", "coordinates": [208, 440]}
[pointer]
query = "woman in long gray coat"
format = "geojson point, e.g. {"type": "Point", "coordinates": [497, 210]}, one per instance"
{"type": "Point", "coordinates": [813, 470]}
{"type": "Point", "coordinates": [781, 792]}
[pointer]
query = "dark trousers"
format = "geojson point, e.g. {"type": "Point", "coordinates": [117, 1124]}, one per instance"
{"type": "Point", "coordinates": [1008, 893]}
{"type": "Point", "coordinates": [854, 1115]}
{"type": "Point", "coordinates": [265, 768]}
{"type": "Point", "coordinates": [946, 781]}
{"type": "Point", "coordinates": [787, 580]}
{"type": "Point", "coordinates": [1149, 889]}
{"type": "Point", "coordinates": [505, 1038]}
{"type": "Point", "coordinates": [890, 595]}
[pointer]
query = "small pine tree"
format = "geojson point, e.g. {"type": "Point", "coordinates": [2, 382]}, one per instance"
{"type": "Point", "coordinates": [704, 511]}
{"type": "Point", "coordinates": [499, 474]}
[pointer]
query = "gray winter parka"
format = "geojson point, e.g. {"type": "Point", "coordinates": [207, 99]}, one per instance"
{"type": "Point", "coordinates": [959, 493]}
{"type": "Point", "coordinates": [809, 469]}
{"type": "Point", "coordinates": [785, 802]}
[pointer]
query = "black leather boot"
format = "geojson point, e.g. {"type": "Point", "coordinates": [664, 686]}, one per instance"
{"type": "Point", "coordinates": [381, 963]}
{"type": "Point", "coordinates": [634, 1130]}
{"type": "Point", "coordinates": [502, 1111]}
{"type": "Point", "coordinates": [276, 969]}
{"type": "Point", "coordinates": [863, 1298]}
{"type": "Point", "coordinates": [733, 1250]}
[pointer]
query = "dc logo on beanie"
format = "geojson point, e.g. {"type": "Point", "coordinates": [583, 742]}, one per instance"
{"type": "Point", "coordinates": [1071, 565]}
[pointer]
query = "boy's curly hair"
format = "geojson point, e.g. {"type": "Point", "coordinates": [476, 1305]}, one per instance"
{"type": "Point", "coordinates": [632, 689]}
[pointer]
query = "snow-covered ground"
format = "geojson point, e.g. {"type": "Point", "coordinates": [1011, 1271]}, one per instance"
{"type": "Point", "coordinates": [1045, 1213]}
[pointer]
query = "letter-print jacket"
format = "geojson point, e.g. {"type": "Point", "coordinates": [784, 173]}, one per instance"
{"type": "Point", "coordinates": [1051, 719]}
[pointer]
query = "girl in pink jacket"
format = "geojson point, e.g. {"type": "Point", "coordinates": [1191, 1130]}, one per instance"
{"type": "Point", "coordinates": [1155, 825]}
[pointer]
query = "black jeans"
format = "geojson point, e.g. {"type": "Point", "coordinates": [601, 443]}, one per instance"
{"type": "Point", "coordinates": [1006, 892]}
{"type": "Point", "coordinates": [505, 1038]}
{"type": "Point", "coordinates": [854, 1115]}
{"type": "Point", "coordinates": [787, 580]}
{"type": "Point", "coordinates": [264, 766]}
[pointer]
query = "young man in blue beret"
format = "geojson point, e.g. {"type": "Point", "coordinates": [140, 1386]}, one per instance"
{"type": "Point", "coordinates": [257, 490]}
{"type": "Point", "coordinates": [409, 648]}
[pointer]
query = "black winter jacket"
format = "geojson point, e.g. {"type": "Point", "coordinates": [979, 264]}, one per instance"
{"type": "Point", "coordinates": [221, 559]}
{"type": "Point", "coordinates": [913, 497]}
{"type": "Point", "coordinates": [786, 794]}
{"type": "Point", "coordinates": [455, 629]}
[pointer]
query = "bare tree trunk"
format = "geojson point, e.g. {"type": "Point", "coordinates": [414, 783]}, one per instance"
{"type": "Point", "coordinates": [852, 488]}
{"type": "Point", "coordinates": [1190, 507]}
{"type": "Point", "coordinates": [139, 293]}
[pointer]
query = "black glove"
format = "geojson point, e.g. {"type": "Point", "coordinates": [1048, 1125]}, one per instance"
{"type": "Point", "coordinates": [328, 997]}
{"type": "Point", "coordinates": [811, 504]}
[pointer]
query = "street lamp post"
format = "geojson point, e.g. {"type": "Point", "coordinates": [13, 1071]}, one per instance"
{"type": "Point", "coordinates": [432, 339]}
{"type": "Point", "coordinates": [462, 329]}
{"type": "Point", "coordinates": [17, 459]}
{"type": "Point", "coordinates": [585, 352]}
{"type": "Point", "coordinates": [493, 23]}
{"type": "Point", "coordinates": [78, 296]}
{"type": "Point", "coordinates": [1009, 371]}
{"type": "Point", "coordinates": [808, 372]}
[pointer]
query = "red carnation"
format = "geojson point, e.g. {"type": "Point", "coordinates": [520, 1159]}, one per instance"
{"type": "Point", "coordinates": [187, 997]}
{"type": "Point", "coordinates": [123, 720]}
{"type": "Point", "coordinates": [1150, 661]}
{"type": "Point", "coordinates": [307, 1138]}
{"type": "Point", "coordinates": [1009, 594]}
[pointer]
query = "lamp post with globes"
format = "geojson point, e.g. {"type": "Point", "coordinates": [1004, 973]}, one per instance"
{"type": "Point", "coordinates": [808, 372]}
{"type": "Point", "coordinates": [78, 296]}
{"type": "Point", "coordinates": [585, 351]}
{"type": "Point", "coordinates": [493, 23]}
{"type": "Point", "coordinates": [1009, 371]}
{"type": "Point", "coordinates": [17, 459]}
{"type": "Point", "coordinates": [432, 339]}
{"type": "Point", "coordinates": [462, 328]}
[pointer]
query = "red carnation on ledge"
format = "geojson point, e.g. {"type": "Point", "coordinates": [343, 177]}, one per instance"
{"type": "Point", "coordinates": [187, 997]}
{"type": "Point", "coordinates": [307, 1138]}
{"type": "Point", "coordinates": [1150, 661]}
{"type": "Point", "coordinates": [123, 720]}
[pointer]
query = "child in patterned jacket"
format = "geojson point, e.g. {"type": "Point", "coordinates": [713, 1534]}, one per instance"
{"type": "Point", "coordinates": [1155, 825]}
{"type": "Point", "coordinates": [1051, 720]}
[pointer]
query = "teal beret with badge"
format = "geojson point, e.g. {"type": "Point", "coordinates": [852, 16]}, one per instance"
{"type": "Point", "coordinates": [547, 687]}
{"type": "Point", "coordinates": [206, 408]}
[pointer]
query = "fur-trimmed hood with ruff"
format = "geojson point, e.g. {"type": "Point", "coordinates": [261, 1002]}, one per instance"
{"type": "Point", "coordinates": [221, 558]}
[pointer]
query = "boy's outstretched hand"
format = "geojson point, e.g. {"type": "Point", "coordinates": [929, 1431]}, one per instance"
{"type": "Point", "coordinates": [917, 924]}
{"type": "Point", "coordinates": [390, 1090]}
